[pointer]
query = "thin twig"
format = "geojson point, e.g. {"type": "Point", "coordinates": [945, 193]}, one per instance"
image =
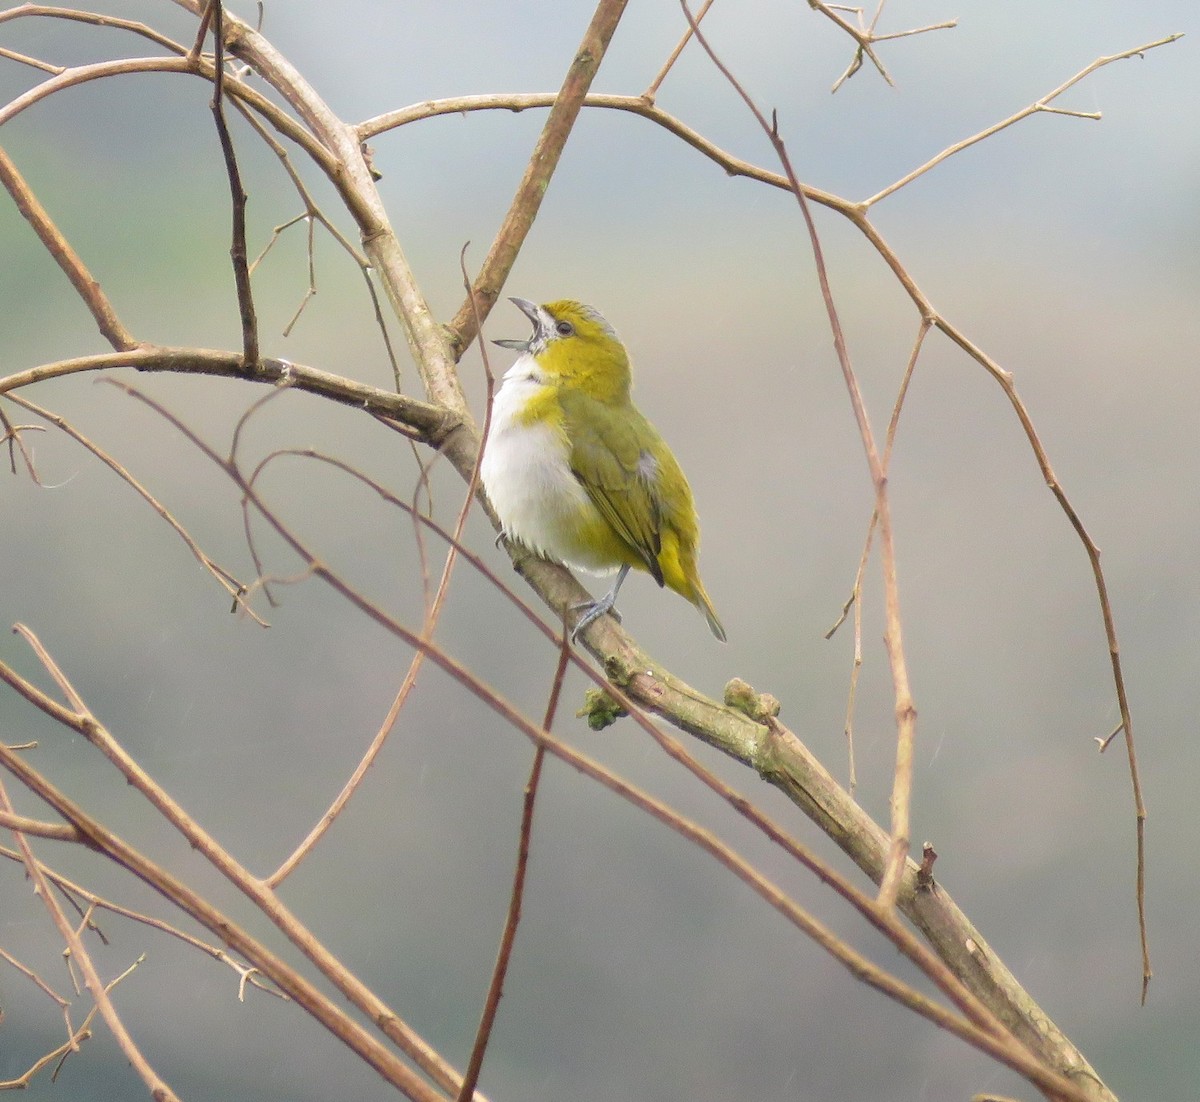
{"type": "Point", "coordinates": [1035, 107]}
{"type": "Point", "coordinates": [544, 160]}
{"type": "Point", "coordinates": [59, 1055]}
{"type": "Point", "coordinates": [71, 889]}
{"type": "Point", "coordinates": [231, 585]}
{"type": "Point", "coordinates": [65, 256]}
{"type": "Point", "coordinates": [633, 105]}
{"type": "Point", "coordinates": [865, 37]}
{"type": "Point", "coordinates": [314, 213]}
{"type": "Point", "coordinates": [78, 75]}
{"type": "Point", "coordinates": [652, 90]}
{"type": "Point", "coordinates": [491, 1003]}
{"type": "Point", "coordinates": [433, 614]}
{"type": "Point", "coordinates": [58, 832]}
{"type": "Point", "coordinates": [32, 62]}
{"type": "Point", "coordinates": [377, 1055]}
{"type": "Point", "coordinates": [28, 972]}
{"type": "Point", "coordinates": [905, 709]}
{"type": "Point", "coordinates": [158, 1087]}
{"type": "Point", "coordinates": [202, 28]}
{"type": "Point", "coordinates": [855, 597]}
{"type": "Point", "coordinates": [93, 19]}
{"type": "Point", "coordinates": [237, 193]}
{"type": "Point", "coordinates": [12, 437]}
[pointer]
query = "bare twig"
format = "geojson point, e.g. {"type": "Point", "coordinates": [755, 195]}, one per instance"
{"type": "Point", "coordinates": [237, 193]}
{"type": "Point", "coordinates": [377, 1055]}
{"type": "Point", "coordinates": [203, 26]}
{"type": "Point", "coordinates": [96, 987]}
{"type": "Point", "coordinates": [1042, 104]}
{"type": "Point", "coordinates": [65, 256]}
{"type": "Point", "coordinates": [432, 615]}
{"type": "Point", "coordinates": [12, 437]}
{"type": "Point", "coordinates": [58, 832]}
{"type": "Point", "coordinates": [32, 62]}
{"type": "Point", "coordinates": [78, 75]}
{"type": "Point", "coordinates": [94, 19]}
{"type": "Point", "coordinates": [544, 160]}
{"type": "Point", "coordinates": [314, 214]}
{"type": "Point", "coordinates": [491, 1003]}
{"type": "Point", "coordinates": [57, 1055]}
{"type": "Point", "coordinates": [855, 597]}
{"type": "Point", "coordinates": [652, 89]}
{"type": "Point", "coordinates": [71, 890]}
{"type": "Point", "coordinates": [865, 37]}
{"type": "Point", "coordinates": [27, 972]}
{"type": "Point", "coordinates": [905, 709]}
{"type": "Point", "coordinates": [634, 105]}
{"type": "Point", "coordinates": [231, 585]}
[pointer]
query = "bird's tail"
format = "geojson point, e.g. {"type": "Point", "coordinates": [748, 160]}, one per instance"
{"type": "Point", "coordinates": [701, 601]}
{"type": "Point", "coordinates": [677, 562]}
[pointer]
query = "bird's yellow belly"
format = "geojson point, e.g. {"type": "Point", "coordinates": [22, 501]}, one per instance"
{"type": "Point", "coordinates": [528, 479]}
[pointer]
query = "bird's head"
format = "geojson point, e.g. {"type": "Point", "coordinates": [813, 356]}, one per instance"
{"type": "Point", "coordinates": [573, 345]}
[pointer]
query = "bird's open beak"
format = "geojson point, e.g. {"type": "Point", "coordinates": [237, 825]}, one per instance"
{"type": "Point", "coordinates": [530, 310]}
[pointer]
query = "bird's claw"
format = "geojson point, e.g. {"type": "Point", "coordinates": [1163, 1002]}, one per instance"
{"type": "Point", "coordinates": [592, 611]}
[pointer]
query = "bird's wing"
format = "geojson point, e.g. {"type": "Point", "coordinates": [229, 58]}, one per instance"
{"type": "Point", "coordinates": [610, 460]}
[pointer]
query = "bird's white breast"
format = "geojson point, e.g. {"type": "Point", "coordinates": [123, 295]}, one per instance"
{"type": "Point", "coordinates": [527, 474]}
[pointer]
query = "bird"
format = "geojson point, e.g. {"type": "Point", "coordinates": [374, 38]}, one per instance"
{"type": "Point", "coordinates": [576, 473]}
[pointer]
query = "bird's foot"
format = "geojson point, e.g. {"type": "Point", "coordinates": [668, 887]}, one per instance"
{"type": "Point", "coordinates": [592, 611]}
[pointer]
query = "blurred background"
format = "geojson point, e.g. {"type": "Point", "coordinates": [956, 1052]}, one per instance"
{"type": "Point", "coordinates": [1066, 248]}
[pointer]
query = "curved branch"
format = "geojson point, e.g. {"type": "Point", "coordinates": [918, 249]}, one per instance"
{"type": "Point", "coordinates": [418, 419]}
{"type": "Point", "coordinates": [201, 67]}
{"type": "Point", "coordinates": [22, 824]}
{"type": "Point", "coordinates": [634, 105]}
{"type": "Point", "coordinates": [93, 19]}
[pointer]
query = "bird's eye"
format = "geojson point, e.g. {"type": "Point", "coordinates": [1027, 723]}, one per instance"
{"type": "Point", "coordinates": [564, 328]}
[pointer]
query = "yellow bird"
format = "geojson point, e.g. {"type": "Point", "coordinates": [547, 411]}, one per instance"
{"type": "Point", "coordinates": [576, 473]}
